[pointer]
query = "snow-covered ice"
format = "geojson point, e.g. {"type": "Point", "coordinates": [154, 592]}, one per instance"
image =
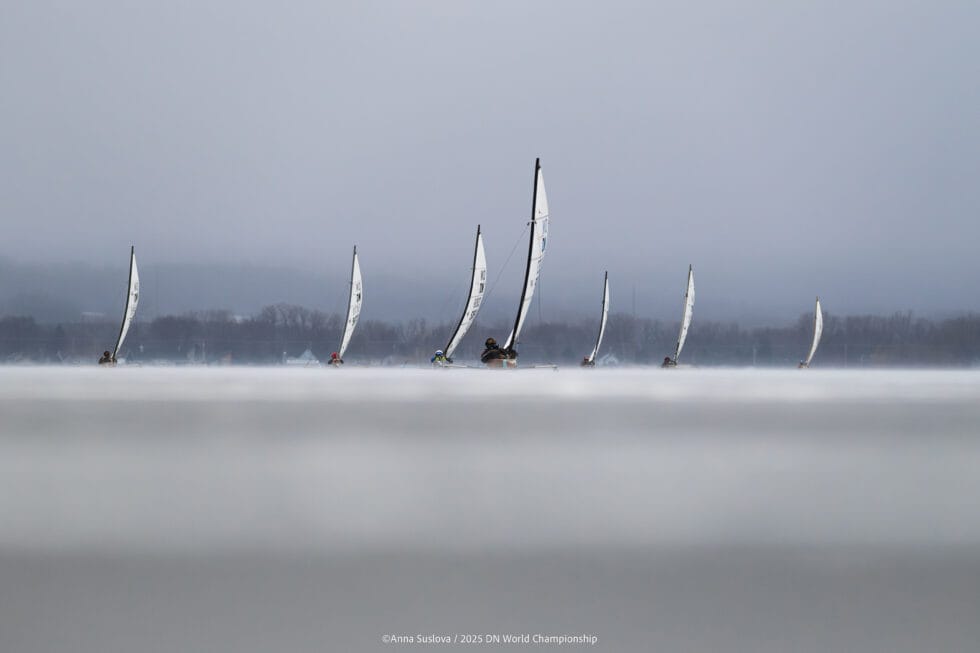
{"type": "Point", "coordinates": [685, 509]}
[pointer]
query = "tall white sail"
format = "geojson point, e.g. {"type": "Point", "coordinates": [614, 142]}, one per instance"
{"type": "Point", "coordinates": [353, 304]}
{"type": "Point", "coordinates": [478, 287]}
{"type": "Point", "coordinates": [688, 313]}
{"type": "Point", "coordinates": [605, 315]}
{"type": "Point", "coordinates": [132, 300]}
{"type": "Point", "coordinates": [817, 332]}
{"type": "Point", "coordinates": [536, 248]}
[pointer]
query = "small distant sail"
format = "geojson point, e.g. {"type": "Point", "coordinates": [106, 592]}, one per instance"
{"type": "Point", "coordinates": [353, 304]}
{"type": "Point", "coordinates": [535, 254]}
{"type": "Point", "coordinates": [602, 322]}
{"type": "Point", "coordinates": [132, 300]}
{"type": "Point", "coordinates": [688, 313]}
{"type": "Point", "coordinates": [478, 287]}
{"type": "Point", "coordinates": [817, 332]}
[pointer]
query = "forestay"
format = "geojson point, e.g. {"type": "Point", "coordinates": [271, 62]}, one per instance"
{"type": "Point", "coordinates": [478, 287]}
{"type": "Point", "coordinates": [353, 304]}
{"type": "Point", "coordinates": [536, 249]}
{"type": "Point", "coordinates": [605, 315]}
{"type": "Point", "coordinates": [688, 313]}
{"type": "Point", "coordinates": [817, 332]}
{"type": "Point", "coordinates": [132, 300]}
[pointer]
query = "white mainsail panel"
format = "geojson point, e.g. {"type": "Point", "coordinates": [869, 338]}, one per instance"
{"type": "Point", "coordinates": [605, 315]}
{"type": "Point", "coordinates": [353, 304]}
{"type": "Point", "coordinates": [132, 300]}
{"type": "Point", "coordinates": [817, 331]}
{"type": "Point", "coordinates": [478, 287]}
{"type": "Point", "coordinates": [537, 247]}
{"type": "Point", "coordinates": [688, 313]}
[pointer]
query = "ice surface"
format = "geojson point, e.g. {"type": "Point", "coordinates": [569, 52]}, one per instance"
{"type": "Point", "coordinates": [686, 509]}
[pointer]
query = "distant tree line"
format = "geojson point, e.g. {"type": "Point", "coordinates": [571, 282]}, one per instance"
{"type": "Point", "coordinates": [282, 332]}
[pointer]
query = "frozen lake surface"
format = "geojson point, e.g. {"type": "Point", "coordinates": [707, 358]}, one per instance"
{"type": "Point", "coordinates": [162, 509]}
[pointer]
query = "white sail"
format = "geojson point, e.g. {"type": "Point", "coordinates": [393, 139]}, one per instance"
{"type": "Point", "coordinates": [605, 315]}
{"type": "Point", "coordinates": [817, 332]}
{"type": "Point", "coordinates": [536, 250]}
{"type": "Point", "coordinates": [478, 287]}
{"type": "Point", "coordinates": [353, 304]}
{"type": "Point", "coordinates": [132, 300]}
{"type": "Point", "coordinates": [688, 313]}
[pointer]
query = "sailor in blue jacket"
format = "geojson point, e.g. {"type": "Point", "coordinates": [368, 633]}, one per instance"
{"type": "Point", "coordinates": [440, 358]}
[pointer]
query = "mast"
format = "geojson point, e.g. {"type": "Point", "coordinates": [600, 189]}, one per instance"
{"type": "Point", "coordinates": [605, 315]}
{"type": "Point", "coordinates": [539, 232]}
{"type": "Point", "coordinates": [353, 310]}
{"type": "Point", "coordinates": [530, 253]}
{"type": "Point", "coordinates": [132, 298]}
{"type": "Point", "coordinates": [688, 313]}
{"type": "Point", "coordinates": [473, 299]}
{"type": "Point", "coordinates": [817, 332]}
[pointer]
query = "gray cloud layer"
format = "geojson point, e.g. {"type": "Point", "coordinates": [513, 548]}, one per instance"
{"type": "Point", "coordinates": [786, 149]}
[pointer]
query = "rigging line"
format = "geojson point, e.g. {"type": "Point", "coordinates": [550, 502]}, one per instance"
{"type": "Point", "coordinates": [455, 294]}
{"type": "Point", "coordinates": [452, 297]}
{"type": "Point", "coordinates": [504, 266]}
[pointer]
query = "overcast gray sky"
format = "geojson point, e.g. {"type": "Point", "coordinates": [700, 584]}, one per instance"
{"type": "Point", "coordinates": [784, 148]}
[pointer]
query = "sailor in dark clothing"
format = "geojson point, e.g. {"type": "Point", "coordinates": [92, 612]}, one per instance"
{"type": "Point", "coordinates": [335, 359]}
{"type": "Point", "coordinates": [588, 362]}
{"type": "Point", "coordinates": [668, 362]}
{"type": "Point", "coordinates": [107, 358]}
{"type": "Point", "coordinates": [494, 353]}
{"type": "Point", "coordinates": [491, 351]}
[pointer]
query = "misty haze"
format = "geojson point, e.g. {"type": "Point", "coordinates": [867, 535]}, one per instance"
{"type": "Point", "coordinates": [785, 152]}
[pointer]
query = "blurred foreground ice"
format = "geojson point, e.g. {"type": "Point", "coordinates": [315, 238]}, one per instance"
{"type": "Point", "coordinates": [525, 499]}
{"type": "Point", "coordinates": [163, 459]}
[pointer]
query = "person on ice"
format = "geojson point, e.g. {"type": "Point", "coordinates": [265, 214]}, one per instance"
{"type": "Point", "coordinates": [106, 358]}
{"type": "Point", "coordinates": [493, 352]}
{"type": "Point", "coordinates": [440, 358]}
{"type": "Point", "coordinates": [335, 359]}
{"type": "Point", "coordinates": [668, 362]}
{"type": "Point", "coordinates": [587, 362]}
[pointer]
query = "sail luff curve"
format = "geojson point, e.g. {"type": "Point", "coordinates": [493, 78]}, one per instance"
{"type": "Point", "coordinates": [688, 313]}
{"type": "Point", "coordinates": [605, 315]}
{"type": "Point", "coordinates": [537, 244]}
{"type": "Point", "coordinates": [132, 300]}
{"type": "Point", "coordinates": [353, 304]}
{"type": "Point", "coordinates": [478, 286]}
{"type": "Point", "coordinates": [817, 331]}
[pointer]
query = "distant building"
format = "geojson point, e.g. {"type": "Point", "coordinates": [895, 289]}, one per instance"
{"type": "Point", "coordinates": [306, 359]}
